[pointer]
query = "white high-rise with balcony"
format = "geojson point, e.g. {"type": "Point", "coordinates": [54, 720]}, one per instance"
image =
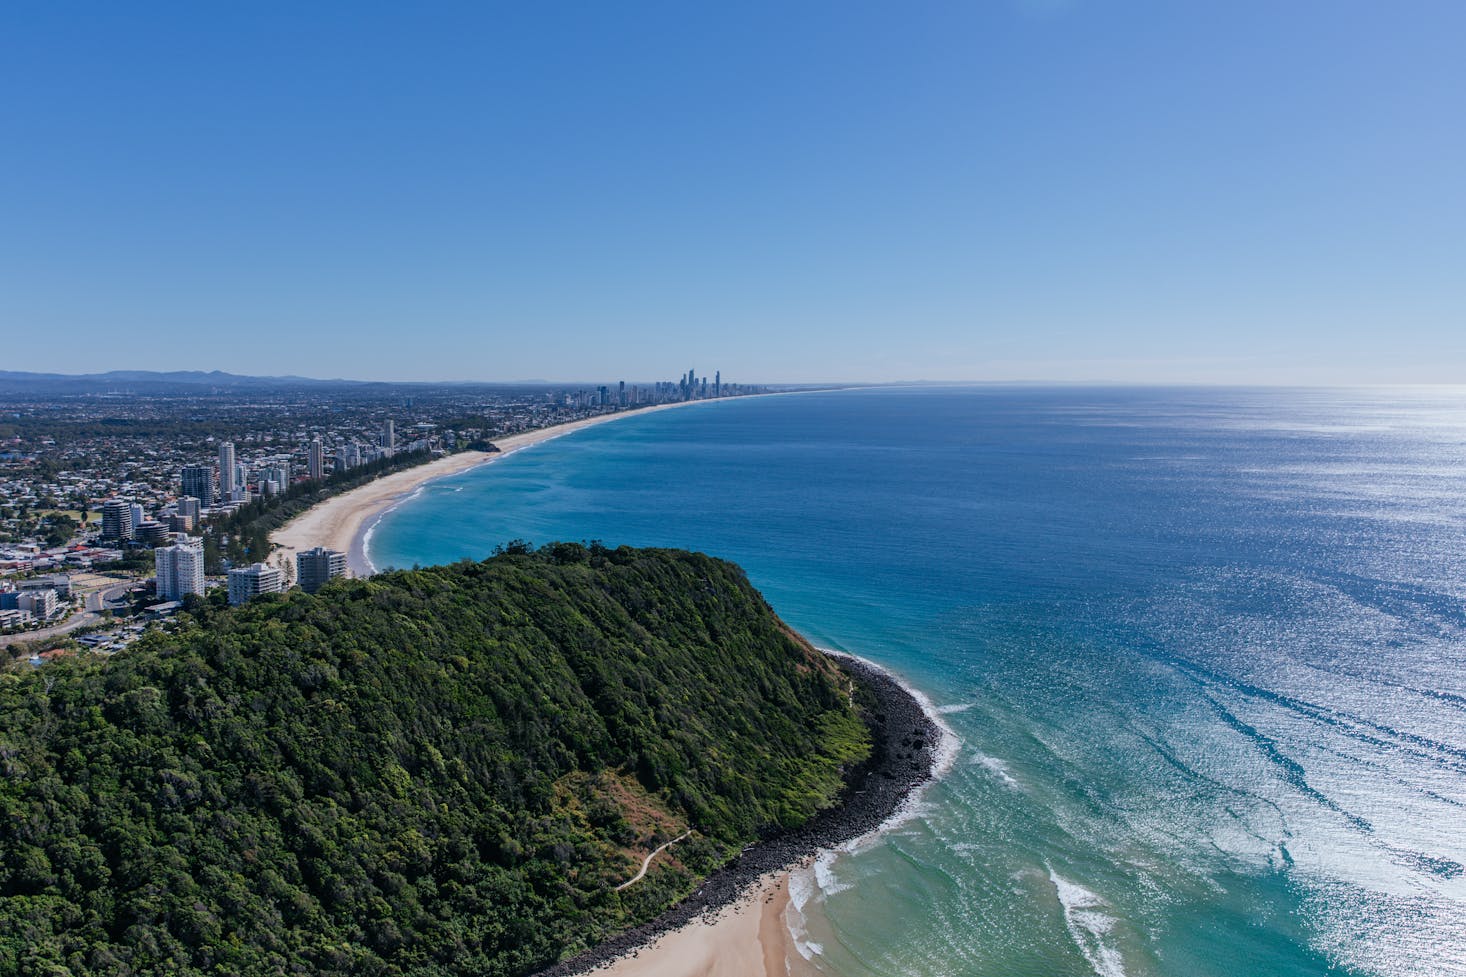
{"type": "Point", "coordinates": [180, 569]}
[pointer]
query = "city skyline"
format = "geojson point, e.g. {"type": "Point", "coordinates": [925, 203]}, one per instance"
{"type": "Point", "coordinates": [1035, 191]}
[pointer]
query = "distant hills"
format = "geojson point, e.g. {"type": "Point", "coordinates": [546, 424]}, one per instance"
{"type": "Point", "coordinates": [132, 379]}
{"type": "Point", "coordinates": [197, 381]}
{"type": "Point", "coordinates": [204, 382]}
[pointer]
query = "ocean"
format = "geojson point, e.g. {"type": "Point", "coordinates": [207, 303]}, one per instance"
{"type": "Point", "coordinates": [1203, 651]}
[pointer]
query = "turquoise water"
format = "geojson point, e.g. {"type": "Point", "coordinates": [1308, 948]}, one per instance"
{"type": "Point", "coordinates": [1203, 651]}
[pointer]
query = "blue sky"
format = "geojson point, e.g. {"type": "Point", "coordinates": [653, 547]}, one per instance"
{"type": "Point", "coordinates": [1016, 189]}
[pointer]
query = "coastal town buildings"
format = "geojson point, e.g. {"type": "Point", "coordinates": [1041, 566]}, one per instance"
{"type": "Point", "coordinates": [180, 570]}
{"type": "Point", "coordinates": [198, 481]}
{"type": "Point", "coordinates": [316, 459]}
{"type": "Point", "coordinates": [249, 582]}
{"type": "Point", "coordinates": [107, 475]}
{"type": "Point", "coordinates": [313, 567]}
{"type": "Point", "coordinates": [226, 472]}
{"type": "Point", "coordinates": [116, 520]}
{"type": "Point", "coordinates": [40, 604]}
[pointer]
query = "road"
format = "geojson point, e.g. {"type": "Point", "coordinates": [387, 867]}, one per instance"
{"type": "Point", "coordinates": [96, 603]}
{"type": "Point", "coordinates": [646, 863]}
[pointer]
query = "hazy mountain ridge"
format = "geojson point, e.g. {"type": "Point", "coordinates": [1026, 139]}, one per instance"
{"type": "Point", "coordinates": [152, 379]}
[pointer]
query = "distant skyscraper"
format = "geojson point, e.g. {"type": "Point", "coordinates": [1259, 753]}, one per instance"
{"type": "Point", "coordinates": [198, 481]}
{"type": "Point", "coordinates": [253, 580]}
{"type": "Point", "coordinates": [316, 459]}
{"type": "Point", "coordinates": [389, 437]}
{"type": "Point", "coordinates": [717, 383]}
{"type": "Point", "coordinates": [180, 569]}
{"type": "Point", "coordinates": [227, 481]}
{"type": "Point", "coordinates": [621, 395]}
{"type": "Point", "coordinates": [314, 567]}
{"type": "Point", "coordinates": [137, 515]}
{"type": "Point", "coordinates": [117, 520]}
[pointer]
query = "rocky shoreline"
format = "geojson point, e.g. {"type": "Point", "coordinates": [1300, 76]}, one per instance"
{"type": "Point", "coordinates": [905, 740]}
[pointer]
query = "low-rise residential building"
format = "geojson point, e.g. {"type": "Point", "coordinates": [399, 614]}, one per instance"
{"type": "Point", "coordinates": [41, 604]}
{"type": "Point", "coordinates": [249, 582]}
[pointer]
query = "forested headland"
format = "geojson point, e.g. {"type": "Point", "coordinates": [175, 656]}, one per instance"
{"type": "Point", "coordinates": [436, 771]}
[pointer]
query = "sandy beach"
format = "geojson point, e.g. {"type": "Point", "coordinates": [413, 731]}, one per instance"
{"type": "Point", "coordinates": [340, 522]}
{"type": "Point", "coordinates": [747, 938]}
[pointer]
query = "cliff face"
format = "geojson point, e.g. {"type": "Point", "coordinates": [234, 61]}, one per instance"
{"type": "Point", "coordinates": [436, 771]}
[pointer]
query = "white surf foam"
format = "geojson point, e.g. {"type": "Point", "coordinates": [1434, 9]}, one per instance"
{"type": "Point", "coordinates": [944, 757]}
{"type": "Point", "coordinates": [1089, 925]}
{"type": "Point", "coordinates": [819, 881]}
{"type": "Point", "coordinates": [998, 768]}
{"type": "Point", "coordinates": [802, 886]}
{"type": "Point", "coordinates": [371, 530]}
{"type": "Point", "coordinates": [824, 875]}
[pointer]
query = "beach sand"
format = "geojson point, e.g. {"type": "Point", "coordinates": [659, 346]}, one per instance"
{"type": "Point", "coordinates": [340, 522]}
{"type": "Point", "coordinates": [748, 938]}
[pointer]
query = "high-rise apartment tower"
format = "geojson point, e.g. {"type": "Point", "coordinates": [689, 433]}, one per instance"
{"type": "Point", "coordinates": [226, 472]}
{"type": "Point", "coordinates": [180, 569]}
{"type": "Point", "coordinates": [198, 481]}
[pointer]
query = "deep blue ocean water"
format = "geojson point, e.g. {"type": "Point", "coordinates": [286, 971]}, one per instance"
{"type": "Point", "coordinates": [1203, 650]}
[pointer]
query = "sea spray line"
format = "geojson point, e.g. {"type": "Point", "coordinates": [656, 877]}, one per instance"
{"type": "Point", "coordinates": [944, 754]}
{"type": "Point", "coordinates": [1088, 925]}
{"type": "Point", "coordinates": [371, 529]}
{"type": "Point", "coordinates": [818, 878]}
{"type": "Point", "coordinates": [998, 768]}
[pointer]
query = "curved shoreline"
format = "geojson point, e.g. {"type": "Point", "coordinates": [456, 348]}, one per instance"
{"type": "Point", "coordinates": [905, 757]}
{"type": "Point", "coordinates": [343, 522]}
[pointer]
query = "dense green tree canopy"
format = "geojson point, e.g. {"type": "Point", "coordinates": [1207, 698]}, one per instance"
{"type": "Point", "coordinates": [440, 771]}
